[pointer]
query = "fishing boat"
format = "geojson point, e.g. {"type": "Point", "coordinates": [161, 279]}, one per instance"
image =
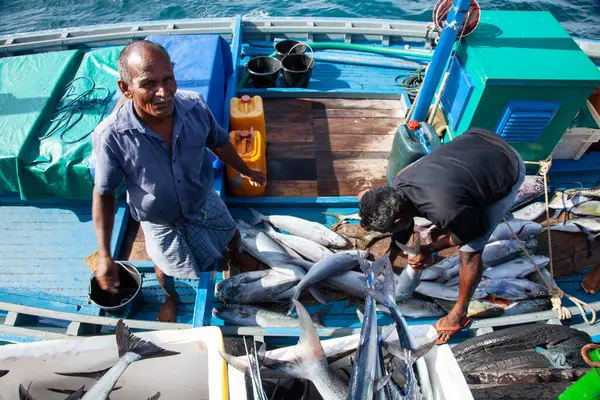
{"type": "Point", "coordinates": [328, 137]}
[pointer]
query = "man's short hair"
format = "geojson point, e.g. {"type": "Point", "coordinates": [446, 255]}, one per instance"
{"type": "Point", "coordinates": [380, 207]}
{"type": "Point", "coordinates": [138, 45]}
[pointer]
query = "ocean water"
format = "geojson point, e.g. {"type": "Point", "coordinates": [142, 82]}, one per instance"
{"type": "Point", "coordinates": [579, 17]}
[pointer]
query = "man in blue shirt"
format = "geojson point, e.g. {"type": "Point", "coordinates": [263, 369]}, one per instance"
{"type": "Point", "coordinates": [156, 143]}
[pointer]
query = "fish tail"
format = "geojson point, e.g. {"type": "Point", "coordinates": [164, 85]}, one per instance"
{"type": "Point", "coordinates": [308, 333]}
{"type": "Point", "coordinates": [591, 238]}
{"type": "Point", "coordinates": [236, 362]}
{"type": "Point", "coordinates": [257, 217]}
{"type": "Point", "coordinates": [24, 393]}
{"type": "Point", "coordinates": [127, 342]}
{"type": "Point", "coordinates": [316, 294]}
{"type": "Point", "coordinates": [77, 394]}
{"type": "Point", "coordinates": [338, 217]}
{"type": "Point", "coordinates": [3, 372]}
{"type": "Point", "coordinates": [155, 397]}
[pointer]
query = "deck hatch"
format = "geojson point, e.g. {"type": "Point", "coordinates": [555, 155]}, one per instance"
{"type": "Point", "coordinates": [526, 120]}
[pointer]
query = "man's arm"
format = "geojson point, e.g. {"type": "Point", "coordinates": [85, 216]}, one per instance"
{"type": "Point", "coordinates": [229, 156]}
{"type": "Point", "coordinates": [103, 215]}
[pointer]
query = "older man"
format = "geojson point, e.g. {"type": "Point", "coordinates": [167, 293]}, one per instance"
{"type": "Point", "coordinates": [156, 142]}
{"type": "Point", "coordinates": [465, 188]}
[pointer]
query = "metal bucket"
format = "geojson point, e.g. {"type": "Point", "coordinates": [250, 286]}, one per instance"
{"type": "Point", "coordinates": [289, 46]}
{"type": "Point", "coordinates": [264, 71]}
{"type": "Point", "coordinates": [297, 68]}
{"type": "Point", "coordinates": [126, 301]}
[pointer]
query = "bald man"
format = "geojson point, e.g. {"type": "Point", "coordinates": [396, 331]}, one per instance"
{"type": "Point", "coordinates": [155, 142]}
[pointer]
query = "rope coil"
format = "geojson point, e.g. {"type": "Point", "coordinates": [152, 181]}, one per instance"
{"type": "Point", "coordinates": [556, 293]}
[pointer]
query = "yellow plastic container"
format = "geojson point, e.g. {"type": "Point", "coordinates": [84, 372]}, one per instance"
{"type": "Point", "coordinates": [250, 147]}
{"type": "Point", "coordinates": [246, 113]}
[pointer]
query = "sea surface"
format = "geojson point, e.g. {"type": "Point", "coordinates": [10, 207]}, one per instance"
{"type": "Point", "coordinates": [580, 18]}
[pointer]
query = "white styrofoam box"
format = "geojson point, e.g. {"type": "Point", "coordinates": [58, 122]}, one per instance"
{"type": "Point", "coordinates": [575, 143]}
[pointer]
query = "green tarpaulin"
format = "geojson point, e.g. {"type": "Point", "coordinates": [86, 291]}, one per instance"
{"type": "Point", "coordinates": [30, 85]}
{"type": "Point", "coordinates": [58, 165]}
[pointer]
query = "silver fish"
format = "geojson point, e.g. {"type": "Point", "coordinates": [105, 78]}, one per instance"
{"type": "Point", "coordinates": [256, 287]}
{"type": "Point", "coordinates": [530, 189]}
{"type": "Point", "coordinates": [530, 212]}
{"type": "Point", "coordinates": [131, 349]}
{"type": "Point", "coordinates": [545, 280]}
{"type": "Point", "coordinates": [517, 268]}
{"type": "Point", "coordinates": [301, 227]}
{"type": "Point", "coordinates": [591, 224]}
{"type": "Point", "coordinates": [440, 270]}
{"type": "Point", "coordinates": [308, 249]}
{"type": "Point", "coordinates": [562, 201]}
{"type": "Point", "coordinates": [513, 288]}
{"type": "Point", "coordinates": [331, 265]}
{"type": "Point", "coordinates": [247, 315]}
{"type": "Point", "coordinates": [528, 306]}
{"type": "Point", "coordinates": [525, 230]}
{"type": "Point", "coordinates": [439, 291]}
{"type": "Point", "coordinates": [307, 361]}
{"type": "Point", "coordinates": [590, 208]}
{"type": "Point", "coordinates": [593, 192]}
{"type": "Point", "coordinates": [416, 308]}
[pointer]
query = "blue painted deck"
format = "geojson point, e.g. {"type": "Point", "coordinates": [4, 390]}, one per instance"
{"type": "Point", "coordinates": [42, 252]}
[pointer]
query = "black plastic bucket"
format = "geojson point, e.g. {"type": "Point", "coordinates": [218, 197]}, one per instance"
{"type": "Point", "coordinates": [297, 69]}
{"type": "Point", "coordinates": [126, 301]}
{"type": "Point", "coordinates": [264, 71]}
{"type": "Point", "coordinates": [289, 46]}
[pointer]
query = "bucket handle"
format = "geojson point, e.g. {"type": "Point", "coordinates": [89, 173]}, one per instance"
{"type": "Point", "coordinates": [312, 54]}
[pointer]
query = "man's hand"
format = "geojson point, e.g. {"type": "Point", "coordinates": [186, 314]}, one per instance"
{"type": "Point", "coordinates": [421, 260]}
{"type": "Point", "coordinates": [256, 177]}
{"type": "Point", "coordinates": [107, 274]}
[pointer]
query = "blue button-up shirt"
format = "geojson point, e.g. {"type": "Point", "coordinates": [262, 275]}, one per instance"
{"type": "Point", "coordinates": [164, 185]}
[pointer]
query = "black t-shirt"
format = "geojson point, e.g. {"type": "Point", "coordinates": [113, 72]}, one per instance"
{"type": "Point", "coordinates": [452, 185]}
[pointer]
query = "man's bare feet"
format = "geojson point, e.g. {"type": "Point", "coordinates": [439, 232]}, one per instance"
{"type": "Point", "coordinates": [168, 312]}
{"type": "Point", "coordinates": [591, 282]}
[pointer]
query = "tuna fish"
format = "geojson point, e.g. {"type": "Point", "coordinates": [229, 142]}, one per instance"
{"type": "Point", "coordinates": [530, 189]}
{"type": "Point", "coordinates": [303, 228]}
{"type": "Point", "coordinates": [516, 268]}
{"type": "Point", "coordinates": [513, 288]}
{"type": "Point", "coordinates": [306, 248]}
{"type": "Point", "coordinates": [246, 315]}
{"type": "Point", "coordinates": [525, 230]}
{"type": "Point", "coordinates": [591, 224]}
{"type": "Point", "coordinates": [306, 360]}
{"type": "Point", "coordinates": [439, 291]}
{"type": "Point", "coordinates": [528, 306]}
{"type": "Point", "coordinates": [562, 201]}
{"type": "Point", "coordinates": [256, 287]}
{"type": "Point", "coordinates": [416, 308]}
{"type": "Point", "coordinates": [530, 212]}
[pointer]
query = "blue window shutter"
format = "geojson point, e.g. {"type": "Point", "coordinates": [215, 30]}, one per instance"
{"type": "Point", "coordinates": [455, 97]}
{"type": "Point", "coordinates": [526, 120]}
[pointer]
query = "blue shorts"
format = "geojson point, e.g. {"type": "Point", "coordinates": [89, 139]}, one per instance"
{"type": "Point", "coordinates": [496, 211]}
{"type": "Point", "coordinates": [185, 251]}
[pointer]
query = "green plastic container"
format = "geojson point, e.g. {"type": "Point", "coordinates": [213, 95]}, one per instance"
{"type": "Point", "coordinates": [588, 386]}
{"type": "Point", "coordinates": [407, 148]}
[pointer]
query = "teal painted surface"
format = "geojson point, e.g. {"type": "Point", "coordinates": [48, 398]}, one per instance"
{"type": "Point", "coordinates": [42, 252]}
{"type": "Point", "coordinates": [522, 56]}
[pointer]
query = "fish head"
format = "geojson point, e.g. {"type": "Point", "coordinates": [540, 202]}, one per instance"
{"type": "Point", "coordinates": [241, 314]}
{"type": "Point", "coordinates": [227, 290]}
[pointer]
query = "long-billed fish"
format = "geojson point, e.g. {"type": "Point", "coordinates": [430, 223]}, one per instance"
{"type": "Point", "coordinates": [516, 268]}
{"type": "Point", "coordinates": [307, 360]}
{"type": "Point", "coordinates": [247, 315]}
{"type": "Point", "coordinates": [256, 287]}
{"type": "Point", "coordinates": [308, 249]}
{"type": "Point", "coordinates": [530, 189]}
{"type": "Point", "coordinates": [301, 227]}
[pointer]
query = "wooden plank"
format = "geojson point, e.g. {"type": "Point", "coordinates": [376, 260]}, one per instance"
{"type": "Point", "coordinates": [290, 132]}
{"type": "Point", "coordinates": [292, 117]}
{"type": "Point", "coordinates": [358, 113]}
{"type": "Point", "coordinates": [292, 189]}
{"type": "Point", "coordinates": [287, 106]}
{"type": "Point", "coordinates": [348, 177]}
{"type": "Point", "coordinates": [291, 150]}
{"type": "Point", "coordinates": [354, 143]}
{"type": "Point", "coordinates": [363, 126]}
{"type": "Point", "coordinates": [291, 169]}
{"type": "Point", "coordinates": [361, 104]}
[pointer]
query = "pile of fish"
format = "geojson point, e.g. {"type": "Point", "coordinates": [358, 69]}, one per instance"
{"type": "Point", "coordinates": [531, 348]}
{"type": "Point", "coordinates": [381, 367]}
{"type": "Point", "coordinates": [131, 349]}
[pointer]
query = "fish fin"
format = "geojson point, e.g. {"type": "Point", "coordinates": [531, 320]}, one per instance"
{"type": "Point", "coordinates": [360, 315]}
{"type": "Point", "coordinates": [365, 265]}
{"type": "Point", "coordinates": [92, 374]}
{"type": "Point", "coordinates": [24, 393]}
{"type": "Point", "coordinates": [77, 395]}
{"type": "Point", "coordinates": [380, 264]}
{"type": "Point", "coordinates": [236, 362]}
{"type": "Point", "coordinates": [257, 217]}
{"type": "Point", "coordinates": [308, 333]}
{"type": "Point", "coordinates": [336, 357]}
{"type": "Point", "coordinates": [591, 238]}
{"type": "Point", "coordinates": [403, 355]}
{"type": "Point", "coordinates": [380, 383]}
{"type": "Point", "coordinates": [155, 397]}
{"type": "Point", "coordinates": [557, 213]}
{"type": "Point", "coordinates": [3, 372]}
{"type": "Point", "coordinates": [423, 349]}
{"type": "Point", "coordinates": [302, 263]}
{"type": "Point", "coordinates": [338, 217]}
{"type": "Point", "coordinates": [317, 317]}
{"type": "Point", "coordinates": [317, 294]}
{"type": "Point", "coordinates": [411, 251]}
{"type": "Point", "coordinates": [128, 342]}
{"type": "Point", "coordinates": [387, 331]}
